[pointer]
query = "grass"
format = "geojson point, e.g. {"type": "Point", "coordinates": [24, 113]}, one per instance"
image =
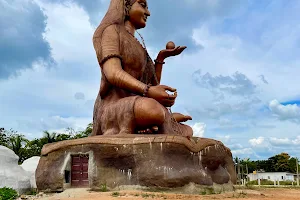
{"type": "Point", "coordinates": [268, 182]}
{"type": "Point", "coordinates": [8, 193]}
{"type": "Point", "coordinates": [102, 188]}
{"type": "Point", "coordinates": [31, 192]}
{"type": "Point", "coordinates": [208, 191]}
{"type": "Point", "coordinates": [115, 194]}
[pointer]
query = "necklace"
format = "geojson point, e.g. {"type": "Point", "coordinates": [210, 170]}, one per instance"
{"type": "Point", "coordinates": [149, 60]}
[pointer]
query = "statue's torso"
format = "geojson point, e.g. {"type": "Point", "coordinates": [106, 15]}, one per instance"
{"type": "Point", "coordinates": [133, 55]}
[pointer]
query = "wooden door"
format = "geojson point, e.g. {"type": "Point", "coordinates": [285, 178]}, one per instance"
{"type": "Point", "coordinates": [79, 172]}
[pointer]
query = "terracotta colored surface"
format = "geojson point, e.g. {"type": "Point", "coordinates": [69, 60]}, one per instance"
{"type": "Point", "coordinates": [194, 144]}
{"type": "Point", "coordinates": [147, 160]}
{"type": "Point", "coordinates": [131, 98]}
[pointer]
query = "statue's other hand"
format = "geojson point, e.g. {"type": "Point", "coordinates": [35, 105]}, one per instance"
{"type": "Point", "coordinates": [159, 93]}
{"type": "Point", "coordinates": [165, 53]}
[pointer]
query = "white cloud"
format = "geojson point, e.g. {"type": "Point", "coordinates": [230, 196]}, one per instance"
{"type": "Point", "coordinates": [45, 93]}
{"type": "Point", "coordinates": [285, 112]}
{"type": "Point", "coordinates": [235, 146]}
{"type": "Point", "coordinates": [280, 141]}
{"type": "Point", "coordinates": [199, 129]}
{"type": "Point", "coordinates": [245, 152]}
{"type": "Point", "coordinates": [224, 138]}
{"type": "Point", "coordinates": [297, 140]}
{"type": "Point", "coordinates": [69, 32]}
{"type": "Point", "coordinates": [257, 141]}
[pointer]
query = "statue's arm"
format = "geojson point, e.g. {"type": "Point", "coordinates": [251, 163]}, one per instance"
{"type": "Point", "coordinates": [158, 67]}
{"type": "Point", "coordinates": [115, 75]}
{"type": "Point", "coordinates": [109, 57]}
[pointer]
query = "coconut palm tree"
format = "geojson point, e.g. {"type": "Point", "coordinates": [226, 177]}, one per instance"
{"type": "Point", "coordinates": [51, 137]}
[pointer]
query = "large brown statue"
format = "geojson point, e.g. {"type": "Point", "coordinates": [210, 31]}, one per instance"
{"type": "Point", "coordinates": [131, 99]}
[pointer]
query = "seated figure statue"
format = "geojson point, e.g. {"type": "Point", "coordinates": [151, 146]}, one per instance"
{"type": "Point", "coordinates": [131, 99]}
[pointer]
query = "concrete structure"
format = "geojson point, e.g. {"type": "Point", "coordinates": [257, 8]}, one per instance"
{"type": "Point", "coordinates": [11, 174]}
{"type": "Point", "coordinates": [30, 166]}
{"type": "Point", "coordinates": [145, 160]}
{"type": "Point", "coordinates": [272, 176]}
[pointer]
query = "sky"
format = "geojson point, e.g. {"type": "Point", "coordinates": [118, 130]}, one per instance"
{"type": "Point", "coordinates": [237, 78]}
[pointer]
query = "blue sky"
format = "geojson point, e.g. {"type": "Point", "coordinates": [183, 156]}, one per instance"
{"type": "Point", "coordinates": [238, 78]}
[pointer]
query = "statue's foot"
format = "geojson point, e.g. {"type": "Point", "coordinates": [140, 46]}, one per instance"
{"type": "Point", "coordinates": [154, 129]}
{"type": "Point", "coordinates": [181, 118]}
{"type": "Point", "coordinates": [186, 130]}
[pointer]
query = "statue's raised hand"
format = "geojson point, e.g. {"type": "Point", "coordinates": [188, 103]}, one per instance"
{"type": "Point", "coordinates": [159, 93]}
{"type": "Point", "coordinates": [171, 50]}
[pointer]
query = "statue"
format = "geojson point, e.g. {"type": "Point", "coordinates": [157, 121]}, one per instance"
{"type": "Point", "coordinates": [132, 102]}
{"type": "Point", "coordinates": [131, 99]}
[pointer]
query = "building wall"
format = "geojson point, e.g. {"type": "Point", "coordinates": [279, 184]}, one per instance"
{"type": "Point", "coordinates": [272, 176]}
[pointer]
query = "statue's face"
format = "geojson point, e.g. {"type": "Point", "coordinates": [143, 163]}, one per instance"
{"type": "Point", "coordinates": [139, 13]}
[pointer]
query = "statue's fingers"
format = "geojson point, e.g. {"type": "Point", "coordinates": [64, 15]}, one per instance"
{"type": "Point", "coordinates": [172, 96]}
{"type": "Point", "coordinates": [168, 102]}
{"type": "Point", "coordinates": [169, 88]}
{"type": "Point", "coordinates": [180, 50]}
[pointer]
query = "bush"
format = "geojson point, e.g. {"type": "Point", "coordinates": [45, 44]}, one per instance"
{"type": "Point", "coordinates": [285, 182]}
{"type": "Point", "coordinates": [8, 194]}
{"type": "Point", "coordinates": [262, 182]}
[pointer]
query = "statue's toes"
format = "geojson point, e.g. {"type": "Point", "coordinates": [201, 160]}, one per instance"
{"type": "Point", "coordinates": [154, 128]}
{"type": "Point", "coordinates": [187, 117]}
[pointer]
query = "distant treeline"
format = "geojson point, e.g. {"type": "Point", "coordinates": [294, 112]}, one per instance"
{"type": "Point", "coordinates": [26, 148]}
{"type": "Point", "coordinates": [279, 163]}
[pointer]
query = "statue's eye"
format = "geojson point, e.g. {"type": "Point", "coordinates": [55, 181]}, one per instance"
{"type": "Point", "coordinates": [143, 5]}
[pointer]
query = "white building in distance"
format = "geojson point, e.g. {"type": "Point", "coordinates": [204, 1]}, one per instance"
{"type": "Point", "coordinates": [272, 176]}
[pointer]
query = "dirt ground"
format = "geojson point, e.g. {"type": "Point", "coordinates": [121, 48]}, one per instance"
{"type": "Point", "coordinates": [249, 194]}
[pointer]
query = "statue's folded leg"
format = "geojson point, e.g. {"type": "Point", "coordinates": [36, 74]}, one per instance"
{"type": "Point", "coordinates": [148, 112]}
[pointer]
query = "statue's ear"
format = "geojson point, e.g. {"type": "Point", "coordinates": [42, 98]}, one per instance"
{"type": "Point", "coordinates": [127, 8]}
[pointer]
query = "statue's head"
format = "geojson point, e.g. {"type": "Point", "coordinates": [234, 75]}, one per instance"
{"type": "Point", "coordinates": [137, 12]}
{"type": "Point", "coordinates": [120, 11]}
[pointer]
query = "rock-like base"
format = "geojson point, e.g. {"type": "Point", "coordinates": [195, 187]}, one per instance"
{"type": "Point", "coordinates": [146, 160]}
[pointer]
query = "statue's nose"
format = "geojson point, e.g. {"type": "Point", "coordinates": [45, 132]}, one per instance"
{"type": "Point", "coordinates": [147, 13]}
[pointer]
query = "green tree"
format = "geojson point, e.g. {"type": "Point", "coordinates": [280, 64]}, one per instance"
{"type": "Point", "coordinates": [51, 137]}
{"type": "Point", "coordinates": [62, 136]}
{"type": "Point", "coordinates": [249, 165]}
{"type": "Point", "coordinates": [25, 148]}
{"type": "Point", "coordinates": [280, 162]}
{"type": "Point", "coordinates": [17, 143]}
{"type": "Point", "coordinates": [292, 165]}
{"type": "Point", "coordinates": [34, 147]}
{"type": "Point", "coordinates": [3, 137]}
{"type": "Point", "coordinates": [84, 133]}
